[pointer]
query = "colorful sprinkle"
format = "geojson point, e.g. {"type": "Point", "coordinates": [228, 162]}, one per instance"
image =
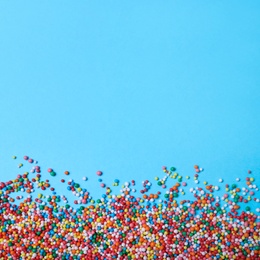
{"type": "Point", "coordinates": [157, 225]}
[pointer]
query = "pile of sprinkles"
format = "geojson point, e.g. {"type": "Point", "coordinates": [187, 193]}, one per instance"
{"type": "Point", "coordinates": [124, 226]}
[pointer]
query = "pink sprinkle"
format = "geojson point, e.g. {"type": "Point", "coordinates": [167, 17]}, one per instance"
{"type": "Point", "coordinates": [99, 173]}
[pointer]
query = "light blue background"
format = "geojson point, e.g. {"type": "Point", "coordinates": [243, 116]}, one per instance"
{"type": "Point", "coordinates": [129, 86]}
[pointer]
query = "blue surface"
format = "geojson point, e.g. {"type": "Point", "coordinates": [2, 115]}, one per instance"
{"type": "Point", "coordinates": [126, 87]}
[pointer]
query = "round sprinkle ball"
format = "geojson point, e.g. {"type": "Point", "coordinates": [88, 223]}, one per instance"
{"type": "Point", "coordinates": [99, 173]}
